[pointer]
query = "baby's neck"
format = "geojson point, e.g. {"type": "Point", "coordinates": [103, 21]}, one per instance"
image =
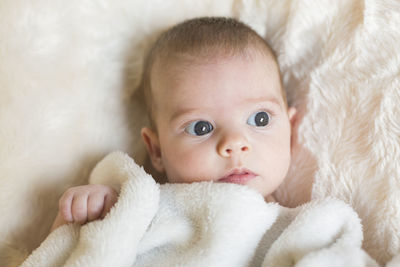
{"type": "Point", "coordinates": [270, 198]}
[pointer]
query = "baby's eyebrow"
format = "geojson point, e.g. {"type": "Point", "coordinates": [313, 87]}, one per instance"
{"type": "Point", "coordinates": [271, 99]}
{"type": "Point", "coordinates": [182, 111]}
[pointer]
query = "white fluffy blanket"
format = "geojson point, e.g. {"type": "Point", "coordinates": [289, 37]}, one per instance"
{"type": "Point", "coordinates": [203, 224]}
{"type": "Point", "coordinates": [68, 70]}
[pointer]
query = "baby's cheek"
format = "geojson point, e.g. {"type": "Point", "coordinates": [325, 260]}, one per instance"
{"type": "Point", "coordinates": [188, 166]}
{"type": "Point", "coordinates": [274, 154]}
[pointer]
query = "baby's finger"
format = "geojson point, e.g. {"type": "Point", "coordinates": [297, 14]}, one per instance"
{"type": "Point", "coordinates": [95, 206]}
{"type": "Point", "coordinates": [79, 208]}
{"type": "Point", "coordinates": [109, 201]}
{"type": "Point", "coordinates": [64, 205]}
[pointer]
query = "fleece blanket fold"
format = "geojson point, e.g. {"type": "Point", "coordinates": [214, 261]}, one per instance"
{"type": "Point", "coordinates": [202, 224]}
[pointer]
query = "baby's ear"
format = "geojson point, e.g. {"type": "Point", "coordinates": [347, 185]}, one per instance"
{"type": "Point", "coordinates": [292, 114]}
{"type": "Point", "coordinates": [152, 143]}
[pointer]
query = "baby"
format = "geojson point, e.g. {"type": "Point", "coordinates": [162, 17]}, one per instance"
{"type": "Point", "coordinates": [218, 112]}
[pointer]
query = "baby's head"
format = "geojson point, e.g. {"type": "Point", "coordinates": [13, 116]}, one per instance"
{"type": "Point", "coordinates": [217, 107]}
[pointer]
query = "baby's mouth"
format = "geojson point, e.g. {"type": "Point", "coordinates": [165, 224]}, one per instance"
{"type": "Point", "coordinates": [238, 176]}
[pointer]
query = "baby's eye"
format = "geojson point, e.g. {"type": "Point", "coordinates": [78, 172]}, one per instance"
{"type": "Point", "coordinates": [258, 119]}
{"type": "Point", "coordinates": [199, 128]}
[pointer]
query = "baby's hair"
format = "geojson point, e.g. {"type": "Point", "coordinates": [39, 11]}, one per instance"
{"type": "Point", "coordinates": [202, 39]}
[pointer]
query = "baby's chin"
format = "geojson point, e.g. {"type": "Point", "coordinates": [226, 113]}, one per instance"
{"type": "Point", "coordinates": [257, 185]}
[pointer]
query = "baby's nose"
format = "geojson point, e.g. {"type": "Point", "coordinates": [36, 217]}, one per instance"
{"type": "Point", "coordinates": [233, 144]}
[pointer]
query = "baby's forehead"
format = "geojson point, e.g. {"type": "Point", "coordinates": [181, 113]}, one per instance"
{"type": "Point", "coordinates": [213, 55]}
{"type": "Point", "coordinates": [176, 65]}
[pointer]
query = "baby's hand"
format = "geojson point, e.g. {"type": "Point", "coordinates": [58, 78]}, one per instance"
{"type": "Point", "coordinates": [85, 203]}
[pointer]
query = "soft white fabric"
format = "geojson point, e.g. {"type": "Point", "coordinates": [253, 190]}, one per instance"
{"type": "Point", "coordinates": [68, 70]}
{"type": "Point", "coordinates": [203, 224]}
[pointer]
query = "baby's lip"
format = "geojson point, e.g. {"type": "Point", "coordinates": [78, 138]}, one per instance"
{"type": "Point", "coordinates": [238, 176]}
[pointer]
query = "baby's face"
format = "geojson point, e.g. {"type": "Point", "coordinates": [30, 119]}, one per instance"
{"type": "Point", "coordinates": [222, 121]}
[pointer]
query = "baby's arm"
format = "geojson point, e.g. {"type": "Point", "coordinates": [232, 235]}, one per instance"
{"type": "Point", "coordinates": [84, 203]}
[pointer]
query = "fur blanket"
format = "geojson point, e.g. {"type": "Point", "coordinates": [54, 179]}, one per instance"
{"type": "Point", "coordinates": [68, 70]}
{"type": "Point", "coordinates": [203, 224]}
